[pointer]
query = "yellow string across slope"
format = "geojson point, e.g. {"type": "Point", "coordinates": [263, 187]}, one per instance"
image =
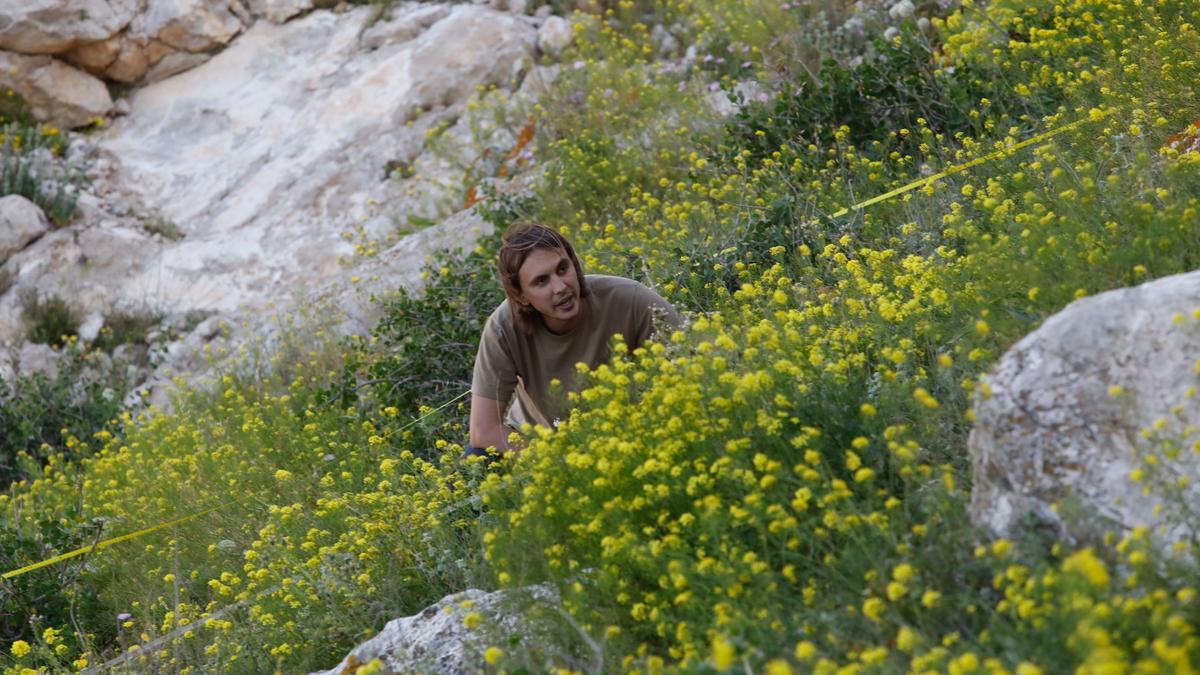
{"type": "Point", "coordinates": [170, 523]}
{"type": "Point", "coordinates": [957, 168]}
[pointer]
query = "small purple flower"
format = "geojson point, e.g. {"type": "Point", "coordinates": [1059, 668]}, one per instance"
{"type": "Point", "coordinates": [124, 616]}
{"type": "Point", "coordinates": [579, 64]}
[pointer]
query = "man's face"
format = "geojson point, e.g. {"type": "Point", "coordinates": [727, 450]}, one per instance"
{"type": "Point", "coordinates": [549, 285]}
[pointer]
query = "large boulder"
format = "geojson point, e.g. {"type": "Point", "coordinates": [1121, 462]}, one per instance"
{"type": "Point", "coordinates": [55, 26]}
{"type": "Point", "coordinates": [54, 91]}
{"type": "Point", "coordinates": [554, 36]}
{"type": "Point", "coordinates": [1087, 424]}
{"type": "Point", "coordinates": [437, 640]}
{"type": "Point", "coordinates": [21, 221]}
{"type": "Point", "coordinates": [190, 25]}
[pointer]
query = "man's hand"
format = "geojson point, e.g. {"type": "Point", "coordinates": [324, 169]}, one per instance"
{"type": "Point", "coordinates": [487, 428]}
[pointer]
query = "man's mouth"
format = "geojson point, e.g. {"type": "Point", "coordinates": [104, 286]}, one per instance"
{"type": "Point", "coordinates": [565, 303]}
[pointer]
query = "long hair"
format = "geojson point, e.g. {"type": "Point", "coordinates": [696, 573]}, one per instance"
{"type": "Point", "coordinates": [516, 245]}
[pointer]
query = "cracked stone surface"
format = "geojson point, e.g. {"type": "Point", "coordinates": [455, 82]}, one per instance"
{"type": "Point", "coordinates": [1076, 407]}
{"type": "Point", "coordinates": [436, 640]}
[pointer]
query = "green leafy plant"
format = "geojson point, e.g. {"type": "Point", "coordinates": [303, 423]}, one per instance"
{"type": "Point", "coordinates": [25, 171]}
{"type": "Point", "coordinates": [48, 320]}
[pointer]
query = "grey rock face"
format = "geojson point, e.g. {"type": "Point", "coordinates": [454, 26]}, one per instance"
{"type": "Point", "coordinates": [1102, 390]}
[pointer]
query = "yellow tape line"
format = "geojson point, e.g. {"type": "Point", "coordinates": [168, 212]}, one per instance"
{"type": "Point", "coordinates": [108, 542]}
{"type": "Point", "coordinates": [922, 182]}
{"type": "Point", "coordinates": [140, 533]}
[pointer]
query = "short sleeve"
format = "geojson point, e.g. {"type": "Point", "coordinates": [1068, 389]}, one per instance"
{"type": "Point", "coordinates": [495, 374]}
{"type": "Point", "coordinates": [650, 307]}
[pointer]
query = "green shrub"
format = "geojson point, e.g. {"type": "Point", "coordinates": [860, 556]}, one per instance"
{"type": "Point", "coordinates": [53, 188]}
{"type": "Point", "coordinates": [884, 93]}
{"type": "Point", "coordinates": [42, 414]}
{"type": "Point", "coordinates": [49, 321]}
{"type": "Point", "coordinates": [127, 328]}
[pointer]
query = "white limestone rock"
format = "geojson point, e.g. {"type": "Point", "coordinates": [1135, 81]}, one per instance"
{"type": "Point", "coordinates": [398, 267]}
{"type": "Point", "coordinates": [554, 36]}
{"type": "Point", "coordinates": [267, 153]}
{"type": "Point", "coordinates": [403, 26]}
{"type": "Point", "coordinates": [173, 64]}
{"type": "Point", "coordinates": [91, 326]}
{"type": "Point", "coordinates": [21, 221]}
{"type": "Point", "coordinates": [436, 641]}
{"type": "Point", "coordinates": [190, 25]}
{"type": "Point", "coordinates": [1055, 440]}
{"type": "Point", "coordinates": [54, 91]}
{"type": "Point", "coordinates": [56, 26]}
{"type": "Point", "coordinates": [33, 358]}
{"type": "Point", "coordinates": [279, 11]}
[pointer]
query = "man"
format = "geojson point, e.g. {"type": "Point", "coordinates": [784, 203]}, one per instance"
{"type": "Point", "coordinates": [552, 318]}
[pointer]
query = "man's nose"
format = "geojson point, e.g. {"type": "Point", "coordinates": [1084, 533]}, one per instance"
{"type": "Point", "coordinates": [557, 284]}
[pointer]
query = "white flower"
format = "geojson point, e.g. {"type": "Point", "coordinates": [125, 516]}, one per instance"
{"type": "Point", "coordinates": [902, 10]}
{"type": "Point", "coordinates": [891, 33]}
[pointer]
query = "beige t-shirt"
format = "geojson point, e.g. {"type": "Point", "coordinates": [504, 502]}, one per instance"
{"type": "Point", "coordinates": [510, 361]}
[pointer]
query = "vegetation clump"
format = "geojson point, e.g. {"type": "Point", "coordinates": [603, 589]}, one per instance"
{"type": "Point", "coordinates": [48, 320]}
{"type": "Point", "coordinates": [31, 163]}
{"type": "Point", "coordinates": [780, 487]}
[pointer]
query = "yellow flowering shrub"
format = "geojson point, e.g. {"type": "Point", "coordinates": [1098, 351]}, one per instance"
{"type": "Point", "coordinates": [780, 485]}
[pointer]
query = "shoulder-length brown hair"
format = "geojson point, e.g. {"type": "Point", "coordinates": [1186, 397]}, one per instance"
{"type": "Point", "coordinates": [518, 242]}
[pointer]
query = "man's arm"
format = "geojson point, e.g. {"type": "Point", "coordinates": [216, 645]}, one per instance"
{"type": "Point", "coordinates": [487, 428]}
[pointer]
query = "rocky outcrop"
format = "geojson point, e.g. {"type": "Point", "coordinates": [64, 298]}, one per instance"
{"type": "Point", "coordinates": [438, 639]}
{"type": "Point", "coordinates": [1088, 424]}
{"type": "Point", "coordinates": [257, 162]}
{"type": "Point", "coordinates": [56, 26]}
{"type": "Point", "coordinates": [21, 221]}
{"type": "Point", "coordinates": [54, 91]}
{"type": "Point", "coordinates": [121, 40]}
{"type": "Point", "coordinates": [265, 155]}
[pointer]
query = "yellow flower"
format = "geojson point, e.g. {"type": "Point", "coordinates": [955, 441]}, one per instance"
{"type": "Point", "coordinates": [723, 653]}
{"type": "Point", "coordinates": [805, 650]}
{"type": "Point", "coordinates": [930, 598]}
{"type": "Point", "coordinates": [1087, 564]}
{"type": "Point", "coordinates": [492, 655]}
{"type": "Point", "coordinates": [873, 609]}
{"type": "Point", "coordinates": [473, 620]}
{"type": "Point", "coordinates": [778, 667]}
{"type": "Point", "coordinates": [20, 648]}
